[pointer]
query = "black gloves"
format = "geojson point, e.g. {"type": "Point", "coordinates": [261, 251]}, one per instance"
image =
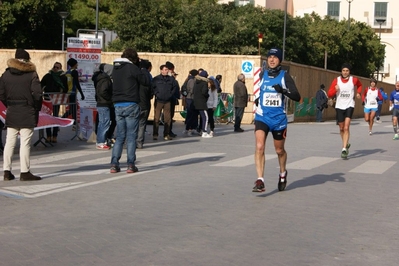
{"type": "Point", "coordinates": [280, 89]}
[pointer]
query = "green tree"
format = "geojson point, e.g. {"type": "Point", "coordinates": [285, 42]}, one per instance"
{"type": "Point", "coordinates": [358, 45]}
{"type": "Point", "coordinates": [31, 24]}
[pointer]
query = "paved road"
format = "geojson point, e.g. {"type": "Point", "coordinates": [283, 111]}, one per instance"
{"type": "Point", "coordinates": [191, 203]}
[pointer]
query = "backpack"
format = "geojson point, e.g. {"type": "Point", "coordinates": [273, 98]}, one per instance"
{"type": "Point", "coordinates": [184, 91]}
{"type": "Point", "coordinates": [67, 80]}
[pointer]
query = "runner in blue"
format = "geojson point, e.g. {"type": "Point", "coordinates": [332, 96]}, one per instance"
{"type": "Point", "coordinates": [394, 104]}
{"type": "Point", "coordinates": [275, 85]}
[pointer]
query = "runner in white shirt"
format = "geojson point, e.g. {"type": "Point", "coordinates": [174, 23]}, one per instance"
{"type": "Point", "coordinates": [344, 88]}
{"type": "Point", "coordinates": [370, 97]}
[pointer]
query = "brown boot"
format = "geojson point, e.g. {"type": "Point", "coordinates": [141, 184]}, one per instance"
{"type": "Point", "coordinates": [29, 177]}
{"type": "Point", "coordinates": [8, 176]}
{"type": "Point", "coordinates": [54, 139]}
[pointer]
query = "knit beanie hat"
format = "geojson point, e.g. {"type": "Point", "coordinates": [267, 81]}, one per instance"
{"type": "Point", "coordinates": [203, 74]}
{"type": "Point", "coordinates": [346, 65]}
{"type": "Point", "coordinates": [170, 65]}
{"type": "Point", "coordinates": [193, 72]}
{"type": "Point", "coordinates": [276, 52]}
{"type": "Point", "coordinates": [72, 62]}
{"type": "Point", "coordinates": [22, 54]}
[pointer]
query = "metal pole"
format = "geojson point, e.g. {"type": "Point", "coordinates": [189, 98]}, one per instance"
{"type": "Point", "coordinates": [325, 59]}
{"type": "Point", "coordinates": [63, 15]}
{"type": "Point", "coordinates": [96, 19]}
{"type": "Point", "coordinates": [285, 28]}
{"type": "Point", "coordinates": [378, 67]}
{"type": "Point", "coordinates": [349, 14]}
{"type": "Point", "coordinates": [63, 33]}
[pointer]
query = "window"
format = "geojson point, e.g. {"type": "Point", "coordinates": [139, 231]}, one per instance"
{"type": "Point", "coordinates": [333, 10]}
{"type": "Point", "coordinates": [380, 13]}
{"type": "Point", "coordinates": [244, 2]}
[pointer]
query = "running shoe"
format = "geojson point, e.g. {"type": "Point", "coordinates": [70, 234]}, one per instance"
{"type": "Point", "coordinates": [259, 186]}
{"type": "Point", "coordinates": [282, 181]}
{"type": "Point", "coordinates": [370, 133]}
{"type": "Point", "coordinates": [206, 135]}
{"type": "Point", "coordinates": [396, 137]}
{"type": "Point", "coordinates": [103, 147]}
{"type": "Point", "coordinates": [347, 148]}
{"type": "Point", "coordinates": [344, 154]}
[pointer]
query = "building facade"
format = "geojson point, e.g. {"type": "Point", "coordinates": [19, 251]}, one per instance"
{"type": "Point", "coordinates": [378, 14]}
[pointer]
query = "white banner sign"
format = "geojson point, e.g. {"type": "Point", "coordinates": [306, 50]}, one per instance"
{"type": "Point", "coordinates": [88, 54]}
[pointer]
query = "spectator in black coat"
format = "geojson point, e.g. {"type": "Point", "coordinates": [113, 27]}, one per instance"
{"type": "Point", "coordinates": [21, 93]}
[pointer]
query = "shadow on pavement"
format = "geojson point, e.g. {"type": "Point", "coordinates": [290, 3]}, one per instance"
{"type": "Point", "coordinates": [310, 181]}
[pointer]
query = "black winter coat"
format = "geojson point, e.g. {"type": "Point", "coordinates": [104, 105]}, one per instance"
{"type": "Point", "coordinates": [146, 94]}
{"type": "Point", "coordinates": [201, 94]}
{"type": "Point", "coordinates": [164, 88]}
{"type": "Point", "coordinates": [127, 79]}
{"type": "Point", "coordinates": [21, 93]}
{"type": "Point", "coordinates": [103, 84]}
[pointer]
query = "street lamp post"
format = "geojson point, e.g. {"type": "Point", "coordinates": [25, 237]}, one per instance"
{"type": "Point", "coordinates": [96, 19]}
{"type": "Point", "coordinates": [349, 13]}
{"type": "Point", "coordinates": [379, 21]}
{"type": "Point", "coordinates": [285, 28]}
{"type": "Point", "coordinates": [63, 15]}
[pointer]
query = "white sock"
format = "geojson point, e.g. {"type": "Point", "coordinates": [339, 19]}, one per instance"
{"type": "Point", "coordinates": [261, 178]}
{"type": "Point", "coordinates": [283, 174]}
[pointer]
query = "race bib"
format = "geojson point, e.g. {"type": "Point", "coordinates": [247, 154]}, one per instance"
{"type": "Point", "coordinates": [345, 95]}
{"type": "Point", "coordinates": [272, 99]}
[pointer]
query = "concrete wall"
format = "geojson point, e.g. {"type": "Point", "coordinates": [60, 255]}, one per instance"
{"type": "Point", "coordinates": [308, 79]}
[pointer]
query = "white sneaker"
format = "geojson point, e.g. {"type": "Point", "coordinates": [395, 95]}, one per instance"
{"type": "Point", "coordinates": [211, 134]}
{"type": "Point", "coordinates": [185, 132]}
{"type": "Point", "coordinates": [396, 137]}
{"type": "Point", "coordinates": [206, 135]}
{"type": "Point", "coordinates": [370, 133]}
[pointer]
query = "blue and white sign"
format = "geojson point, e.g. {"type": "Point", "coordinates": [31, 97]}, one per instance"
{"type": "Point", "coordinates": [247, 68]}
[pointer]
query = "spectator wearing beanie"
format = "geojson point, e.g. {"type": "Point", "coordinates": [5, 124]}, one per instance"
{"type": "Point", "coordinates": [21, 93]}
{"type": "Point", "coordinates": [175, 98]}
{"type": "Point", "coordinates": [200, 100]}
{"type": "Point", "coordinates": [73, 65]}
{"type": "Point", "coordinates": [192, 114]}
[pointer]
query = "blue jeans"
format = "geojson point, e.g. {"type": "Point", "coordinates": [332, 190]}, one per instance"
{"type": "Point", "coordinates": [127, 124]}
{"type": "Point", "coordinates": [104, 122]}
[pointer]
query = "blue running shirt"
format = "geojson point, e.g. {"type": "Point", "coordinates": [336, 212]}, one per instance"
{"type": "Point", "coordinates": [271, 107]}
